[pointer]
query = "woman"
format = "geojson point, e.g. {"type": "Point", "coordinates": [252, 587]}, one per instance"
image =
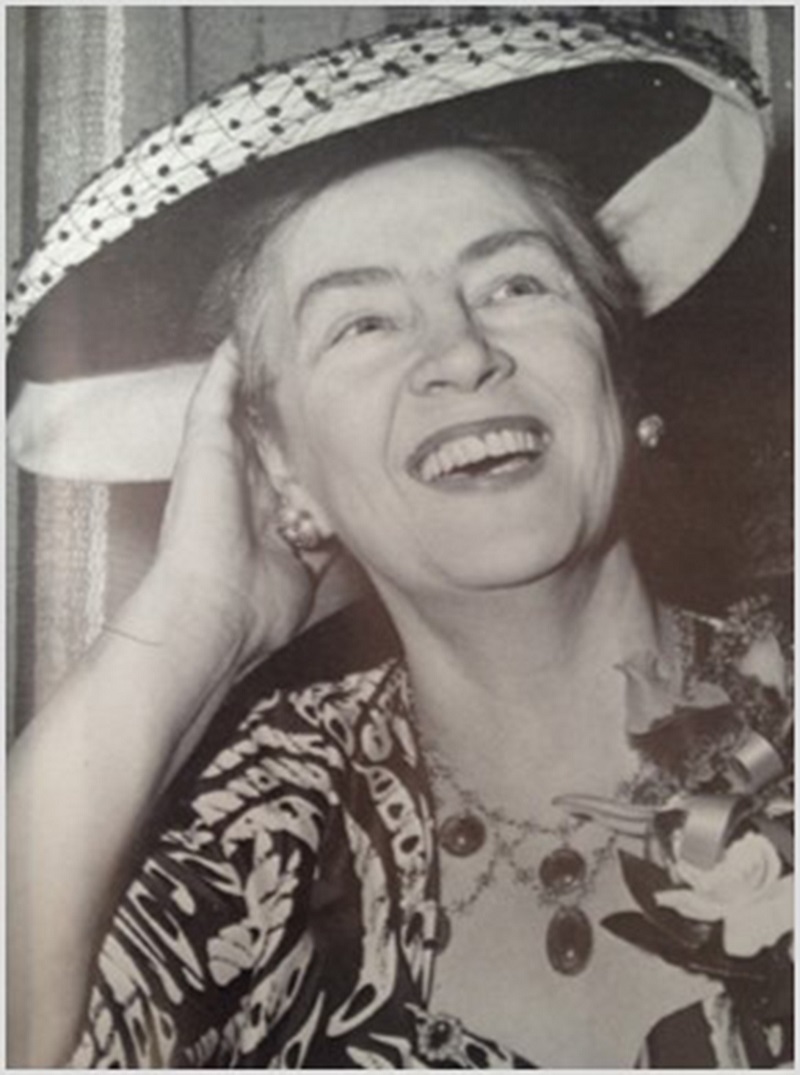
{"type": "Point", "coordinates": [408, 865]}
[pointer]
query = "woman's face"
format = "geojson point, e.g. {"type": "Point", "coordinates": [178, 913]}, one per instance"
{"type": "Point", "coordinates": [442, 382]}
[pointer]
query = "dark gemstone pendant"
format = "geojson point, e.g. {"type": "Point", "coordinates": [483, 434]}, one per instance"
{"type": "Point", "coordinates": [562, 871]}
{"type": "Point", "coordinates": [569, 941]}
{"type": "Point", "coordinates": [462, 835]}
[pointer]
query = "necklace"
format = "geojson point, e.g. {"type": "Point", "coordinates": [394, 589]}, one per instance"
{"type": "Point", "coordinates": [563, 878]}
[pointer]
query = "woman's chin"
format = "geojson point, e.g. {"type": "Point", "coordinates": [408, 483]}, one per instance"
{"type": "Point", "coordinates": [504, 565]}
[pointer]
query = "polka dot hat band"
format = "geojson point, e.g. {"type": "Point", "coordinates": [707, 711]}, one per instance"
{"type": "Point", "coordinates": [666, 135]}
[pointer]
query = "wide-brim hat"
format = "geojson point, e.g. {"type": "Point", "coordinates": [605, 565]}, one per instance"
{"type": "Point", "coordinates": [664, 133]}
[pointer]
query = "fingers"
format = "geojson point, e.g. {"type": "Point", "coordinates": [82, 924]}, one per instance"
{"type": "Point", "coordinates": [216, 394]}
{"type": "Point", "coordinates": [212, 453]}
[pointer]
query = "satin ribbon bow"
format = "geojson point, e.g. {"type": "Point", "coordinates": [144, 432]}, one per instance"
{"type": "Point", "coordinates": [708, 821]}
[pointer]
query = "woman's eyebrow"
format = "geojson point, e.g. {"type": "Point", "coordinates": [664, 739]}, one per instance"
{"type": "Point", "coordinates": [340, 278]}
{"type": "Point", "coordinates": [481, 248]}
{"type": "Point", "coordinates": [498, 241]}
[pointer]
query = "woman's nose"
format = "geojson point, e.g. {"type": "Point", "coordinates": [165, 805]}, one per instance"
{"type": "Point", "coordinates": [459, 358]}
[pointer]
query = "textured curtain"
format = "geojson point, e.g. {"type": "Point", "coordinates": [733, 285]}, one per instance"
{"type": "Point", "coordinates": [82, 83]}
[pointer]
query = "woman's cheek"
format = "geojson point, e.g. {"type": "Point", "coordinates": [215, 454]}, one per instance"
{"type": "Point", "coordinates": [341, 423]}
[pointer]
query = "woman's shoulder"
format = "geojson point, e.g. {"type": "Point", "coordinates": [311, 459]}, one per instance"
{"type": "Point", "coordinates": [337, 662]}
{"type": "Point", "coordinates": [335, 697]}
{"type": "Point", "coordinates": [217, 894]}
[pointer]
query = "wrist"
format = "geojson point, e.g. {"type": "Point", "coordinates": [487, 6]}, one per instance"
{"type": "Point", "coordinates": [177, 610]}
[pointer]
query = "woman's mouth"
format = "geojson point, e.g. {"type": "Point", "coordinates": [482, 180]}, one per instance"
{"type": "Point", "coordinates": [497, 448]}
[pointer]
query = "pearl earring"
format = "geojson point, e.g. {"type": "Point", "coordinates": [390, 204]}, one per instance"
{"type": "Point", "coordinates": [650, 430]}
{"type": "Point", "coordinates": [298, 528]}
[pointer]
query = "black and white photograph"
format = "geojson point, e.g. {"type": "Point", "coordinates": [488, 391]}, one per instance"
{"type": "Point", "coordinates": [399, 525]}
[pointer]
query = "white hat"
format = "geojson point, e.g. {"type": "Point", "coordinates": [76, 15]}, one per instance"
{"type": "Point", "coordinates": [665, 134]}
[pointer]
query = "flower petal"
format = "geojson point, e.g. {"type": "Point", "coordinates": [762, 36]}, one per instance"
{"type": "Point", "coordinates": [760, 924]}
{"type": "Point", "coordinates": [690, 904]}
{"type": "Point", "coordinates": [748, 869]}
{"type": "Point", "coordinates": [707, 696]}
{"type": "Point", "coordinates": [765, 662]}
{"type": "Point", "coordinates": [651, 693]}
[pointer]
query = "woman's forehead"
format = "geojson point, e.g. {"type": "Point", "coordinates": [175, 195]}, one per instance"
{"type": "Point", "coordinates": [417, 204]}
{"type": "Point", "coordinates": [429, 178]}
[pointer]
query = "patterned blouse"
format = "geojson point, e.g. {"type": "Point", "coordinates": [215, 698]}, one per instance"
{"type": "Point", "coordinates": [283, 909]}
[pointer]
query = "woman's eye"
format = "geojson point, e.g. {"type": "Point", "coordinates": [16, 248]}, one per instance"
{"type": "Point", "coordinates": [362, 326]}
{"type": "Point", "coordinates": [517, 287]}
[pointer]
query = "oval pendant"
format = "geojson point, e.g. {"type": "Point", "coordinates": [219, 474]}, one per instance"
{"type": "Point", "coordinates": [569, 940]}
{"type": "Point", "coordinates": [462, 835]}
{"type": "Point", "coordinates": [562, 871]}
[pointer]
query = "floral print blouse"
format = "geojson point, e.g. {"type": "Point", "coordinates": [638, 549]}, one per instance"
{"type": "Point", "coordinates": [282, 912]}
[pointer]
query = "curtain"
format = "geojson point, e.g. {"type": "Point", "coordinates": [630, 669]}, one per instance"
{"type": "Point", "coordinates": [83, 82]}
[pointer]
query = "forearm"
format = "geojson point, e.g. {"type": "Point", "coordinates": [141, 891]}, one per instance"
{"type": "Point", "coordinates": [81, 781]}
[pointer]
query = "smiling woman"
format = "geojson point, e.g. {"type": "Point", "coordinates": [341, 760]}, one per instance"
{"type": "Point", "coordinates": [481, 326]}
{"type": "Point", "coordinates": [439, 849]}
{"type": "Point", "coordinates": [571, 244]}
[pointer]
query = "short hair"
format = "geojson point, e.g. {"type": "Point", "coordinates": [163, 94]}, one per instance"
{"type": "Point", "coordinates": [232, 302]}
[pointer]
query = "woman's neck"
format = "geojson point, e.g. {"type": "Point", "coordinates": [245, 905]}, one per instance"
{"type": "Point", "coordinates": [519, 691]}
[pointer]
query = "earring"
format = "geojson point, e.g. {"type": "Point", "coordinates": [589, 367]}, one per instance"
{"type": "Point", "coordinates": [298, 528]}
{"type": "Point", "coordinates": [650, 430]}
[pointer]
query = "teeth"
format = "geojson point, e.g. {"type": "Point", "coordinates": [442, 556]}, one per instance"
{"type": "Point", "coordinates": [474, 449]}
{"type": "Point", "coordinates": [461, 454]}
{"type": "Point", "coordinates": [429, 470]}
{"type": "Point", "coordinates": [494, 443]}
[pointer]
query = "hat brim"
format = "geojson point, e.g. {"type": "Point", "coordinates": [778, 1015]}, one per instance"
{"type": "Point", "coordinates": [671, 151]}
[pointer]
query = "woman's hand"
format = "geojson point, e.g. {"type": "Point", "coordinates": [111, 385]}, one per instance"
{"type": "Point", "coordinates": [219, 538]}
{"type": "Point", "coordinates": [224, 591]}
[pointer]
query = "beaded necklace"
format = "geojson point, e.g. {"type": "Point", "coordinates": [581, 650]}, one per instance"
{"type": "Point", "coordinates": [563, 879]}
{"type": "Point", "coordinates": [564, 876]}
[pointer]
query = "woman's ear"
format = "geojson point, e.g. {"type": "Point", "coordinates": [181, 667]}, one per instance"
{"type": "Point", "coordinates": [298, 509]}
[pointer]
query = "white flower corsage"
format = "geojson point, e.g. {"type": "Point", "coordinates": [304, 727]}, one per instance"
{"type": "Point", "coordinates": [745, 891]}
